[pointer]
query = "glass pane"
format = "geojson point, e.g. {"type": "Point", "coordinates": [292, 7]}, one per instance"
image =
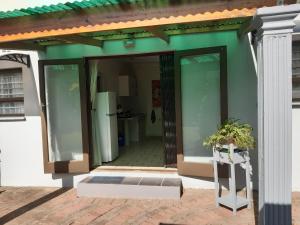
{"type": "Point", "coordinates": [63, 112]}
{"type": "Point", "coordinates": [11, 108]}
{"type": "Point", "coordinates": [296, 88]}
{"type": "Point", "coordinates": [11, 84]}
{"type": "Point", "coordinates": [296, 60]}
{"type": "Point", "coordinates": [200, 97]}
{"type": "Point", "coordinates": [296, 72]}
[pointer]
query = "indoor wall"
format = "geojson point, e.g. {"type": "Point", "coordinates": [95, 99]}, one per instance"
{"type": "Point", "coordinates": [147, 69]}
{"type": "Point", "coordinates": [144, 70]}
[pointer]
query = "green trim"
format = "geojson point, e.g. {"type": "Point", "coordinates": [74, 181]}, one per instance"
{"type": "Point", "coordinates": [232, 24]}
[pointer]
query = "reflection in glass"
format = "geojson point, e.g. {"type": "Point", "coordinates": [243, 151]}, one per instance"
{"type": "Point", "coordinates": [200, 97]}
{"type": "Point", "coordinates": [296, 88]}
{"type": "Point", "coordinates": [63, 112]}
{"type": "Point", "coordinates": [11, 87]}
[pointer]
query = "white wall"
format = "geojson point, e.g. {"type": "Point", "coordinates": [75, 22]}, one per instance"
{"type": "Point", "coordinates": [109, 71]}
{"type": "Point", "coordinates": [145, 71]}
{"type": "Point", "coordinates": [296, 150]}
{"type": "Point", "coordinates": [21, 141]}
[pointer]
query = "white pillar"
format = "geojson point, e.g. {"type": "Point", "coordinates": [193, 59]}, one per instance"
{"type": "Point", "coordinates": [274, 27]}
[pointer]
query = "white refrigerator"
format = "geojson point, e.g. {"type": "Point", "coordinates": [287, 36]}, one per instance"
{"type": "Point", "coordinates": [106, 112]}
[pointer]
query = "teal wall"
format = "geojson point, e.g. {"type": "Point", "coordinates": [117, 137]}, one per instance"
{"type": "Point", "coordinates": [178, 42]}
{"type": "Point", "coordinates": [241, 71]}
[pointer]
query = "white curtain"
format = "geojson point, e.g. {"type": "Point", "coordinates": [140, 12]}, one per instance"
{"type": "Point", "coordinates": [97, 159]}
{"type": "Point", "coordinates": [11, 86]}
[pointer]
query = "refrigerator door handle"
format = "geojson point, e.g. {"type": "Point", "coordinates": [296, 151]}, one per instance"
{"type": "Point", "coordinates": [111, 114]}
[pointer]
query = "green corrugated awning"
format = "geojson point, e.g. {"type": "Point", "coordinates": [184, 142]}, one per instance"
{"type": "Point", "coordinates": [62, 7]}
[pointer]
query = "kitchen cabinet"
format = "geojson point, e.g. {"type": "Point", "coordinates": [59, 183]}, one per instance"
{"type": "Point", "coordinates": [127, 85]}
{"type": "Point", "coordinates": [137, 128]}
{"type": "Point", "coordinates": [134, 128]}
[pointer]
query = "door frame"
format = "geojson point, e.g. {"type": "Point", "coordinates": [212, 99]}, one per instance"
{"type": "Point", "coordinates": [192, 168]}
{"type": "Point", "coordinates": [87, 71]}
{"type": "Point", "coordinates": [70, 166]}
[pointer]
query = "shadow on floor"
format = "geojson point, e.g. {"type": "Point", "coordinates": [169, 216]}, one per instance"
{"type": "Point", "coordinates": [169, 224]}
{"type": "Point", "coordinates": [255, 206]}
{"type": "Point", "coordinates": [18, 212]}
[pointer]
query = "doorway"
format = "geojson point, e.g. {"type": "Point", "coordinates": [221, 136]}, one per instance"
{"type": "Point", "coordinates": [201, 106]}
{"type": "Point", "coordinates": [136, 123]}
{"type": "Point", "coordinates": [139, 88]}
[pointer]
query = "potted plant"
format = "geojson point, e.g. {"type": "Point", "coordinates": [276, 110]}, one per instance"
{"type": "Point", "coordinates": [231, 137]}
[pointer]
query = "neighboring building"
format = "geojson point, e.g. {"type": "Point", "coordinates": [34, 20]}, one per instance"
{"type": "Point", "coordinates": [199, 55]}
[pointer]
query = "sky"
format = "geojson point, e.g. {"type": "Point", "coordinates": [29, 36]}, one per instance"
{"type": "Point", "coordinates": [18, 4]}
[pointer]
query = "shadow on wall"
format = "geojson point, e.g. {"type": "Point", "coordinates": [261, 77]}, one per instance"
{"type": "Point", "coordinates": [243, 97]}
{"type": "Point", "coordinates": [271, 214]}
{"type": "Point", "coordinates": [31, 95]}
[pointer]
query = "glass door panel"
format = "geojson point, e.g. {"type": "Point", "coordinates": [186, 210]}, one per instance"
{"type": "Point", "coordinates": [201, 106]}
{"type": "Point", "coordinates": [64, 119]}
{"type": "Point", "coordinates": [63, 112]}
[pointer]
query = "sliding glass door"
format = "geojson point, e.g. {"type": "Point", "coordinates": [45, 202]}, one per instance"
{"type": "Point", "coordinates": [201, 106]}
{"type": "Point", "coordinates": [63, 99]}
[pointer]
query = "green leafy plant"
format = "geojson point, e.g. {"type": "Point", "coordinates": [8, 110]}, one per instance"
{"type": "Point", "coordinates": [239, 134]}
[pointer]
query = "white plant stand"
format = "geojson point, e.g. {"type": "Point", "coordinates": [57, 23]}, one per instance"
{"type": "Point", "coordinates": [232, 158]}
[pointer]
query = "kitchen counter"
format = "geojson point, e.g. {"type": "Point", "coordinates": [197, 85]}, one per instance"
{"type": "Point", "coordinates": [134, 127]}
{"type": "Point", "coordinates": [131, 116]}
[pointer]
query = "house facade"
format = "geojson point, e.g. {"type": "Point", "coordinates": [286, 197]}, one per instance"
{"type": "Point", "coordinates": [177, 71]}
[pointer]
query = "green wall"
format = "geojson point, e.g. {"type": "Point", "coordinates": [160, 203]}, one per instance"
{"type": "Point", "coordinates": [178, 42]}
{"type": "Point", "coordinates": [241, 71]}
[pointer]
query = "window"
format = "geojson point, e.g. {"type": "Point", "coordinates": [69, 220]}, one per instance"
{"type": "Point", "coordinates": [296, 71]}
{"type": "Point", "coordinates": [11, 93]}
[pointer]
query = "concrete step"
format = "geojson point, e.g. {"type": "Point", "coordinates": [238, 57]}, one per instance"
{"type": "Point", "coordinates": [130, 187]}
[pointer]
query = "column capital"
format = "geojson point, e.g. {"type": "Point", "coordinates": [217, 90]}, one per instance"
{"type": "Point", "coordinates": [275, 20]}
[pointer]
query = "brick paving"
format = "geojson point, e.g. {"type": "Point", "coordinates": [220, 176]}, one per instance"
{"type": "Point", "coordinates": [61, 206]}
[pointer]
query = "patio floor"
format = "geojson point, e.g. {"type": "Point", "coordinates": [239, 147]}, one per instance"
{"type": "Point", "coordinates": [61, 206]}
{"type": "Point", "coordinates": [147, 153]}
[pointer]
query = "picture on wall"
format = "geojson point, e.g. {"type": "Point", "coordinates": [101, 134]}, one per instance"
{"type": "Point", "coordinates": [156, 93]}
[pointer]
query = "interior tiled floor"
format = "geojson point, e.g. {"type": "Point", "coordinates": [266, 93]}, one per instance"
{"type": "Point", "coordinates": [51, 206]}
{"type": "Point", "coordinates": [148, 153]}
